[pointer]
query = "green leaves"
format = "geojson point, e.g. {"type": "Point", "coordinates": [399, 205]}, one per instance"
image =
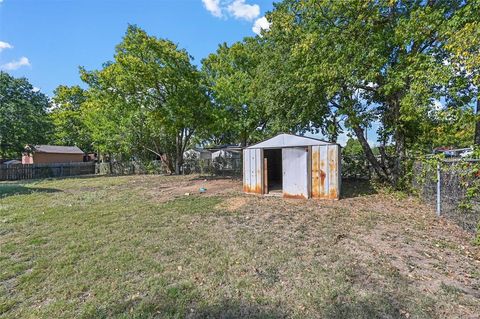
{"type": "Point", "coordinates": [23, 116]}
{"type": "Point", "coordinates": [383, 62]}
{"type": "Point", "coordinates": [149, 100]}
{"type": "Point", "coordinates": [68, 118]}
{"type": "Point", "coordinates": [231, 75]}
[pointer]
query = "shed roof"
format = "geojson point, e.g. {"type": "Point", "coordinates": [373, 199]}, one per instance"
{"type": "Point", "coordinates": [289, 140]}
{"type": "Point", "coordinates": [55, 149]}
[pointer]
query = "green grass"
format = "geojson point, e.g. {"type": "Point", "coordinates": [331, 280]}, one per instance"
{"type": "Point", "coordinates": [107, 247]}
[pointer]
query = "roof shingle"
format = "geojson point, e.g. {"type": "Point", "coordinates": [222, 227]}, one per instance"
{"type": "Point", "coordinates": [57, 149]}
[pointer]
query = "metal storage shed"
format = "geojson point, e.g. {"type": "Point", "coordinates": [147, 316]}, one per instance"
{"type": "Point", "coordinates": [293, 166]}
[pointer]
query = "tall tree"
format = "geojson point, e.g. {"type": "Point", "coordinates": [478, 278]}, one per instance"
{"type": "Point", "coordinates": [380, 61]}
{"type": "Point", "coordinates": [464, 43]}
{"type": "Point", "coordinates": [231, 76]}
{"type": "Point", "coordinates": [23, 116]}
{"type": "Point", "coordinates": [67, 117]}
{"type": "Point", "coordinates": [149, 100]}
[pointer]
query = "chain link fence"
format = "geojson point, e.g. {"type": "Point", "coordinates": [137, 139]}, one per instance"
{"type": "Point", "coordinates": [217, 167]}
{"type": "Point", "coordinates": [451, 187]}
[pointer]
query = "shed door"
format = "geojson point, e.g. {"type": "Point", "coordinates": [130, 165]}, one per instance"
{"type": "Point", "coordinates": [295, 172]}
{"type": "Point", "coordinates": [253, 171]}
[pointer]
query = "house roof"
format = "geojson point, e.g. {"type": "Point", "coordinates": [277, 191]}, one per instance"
{"type": "Point", "coordinates": [232, 147]}
{"type": "Point", "coordinates": [198, 149]}
{"type": "Point", "coordinates": [289, 140]}
{"type": "Point", "coordinates": [55, 149]}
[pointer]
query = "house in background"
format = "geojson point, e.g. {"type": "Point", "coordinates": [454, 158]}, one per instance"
{"type": "Point", "coordinates": [227, 153]}
{"type": "Point", "coordinates": [197, 153]}
{"type": "Point", "coordinates": [40, 154]}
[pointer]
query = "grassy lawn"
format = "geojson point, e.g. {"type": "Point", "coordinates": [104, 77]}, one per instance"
{"type": "Point", "coordinates": [140, 247]}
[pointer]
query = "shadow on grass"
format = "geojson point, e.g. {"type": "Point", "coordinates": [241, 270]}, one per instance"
{"type": "Point", "coordinates": [180, 308]}
{"type": "Point", "coordinates": [21, 189]}
{"type": "Point", "coordinates": [352, 188]}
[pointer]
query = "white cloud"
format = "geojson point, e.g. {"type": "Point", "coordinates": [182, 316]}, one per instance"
{"type": "Point", "coordinates": [5, 45]}
{"type": "Point", "coordinates": [213, 6]}
{"type": "Point", "coordinates": [240, 10]}
{"type": "Point", "coordinates": [14, 65]}
{"type": "Point", "coordinates": [261, 24]}
{"type": "Point", "coordinates": [35, 89]}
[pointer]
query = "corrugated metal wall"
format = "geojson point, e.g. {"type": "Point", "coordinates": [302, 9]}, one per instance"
{"type": "Point", "coordinates": [253, 171]}
{"type": "Point", "coordinates": [326, 172]}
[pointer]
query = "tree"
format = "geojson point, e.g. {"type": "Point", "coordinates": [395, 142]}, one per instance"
{"type": "Point", "coordinates": [23, 116]}
{"type": "Point", "coordinates": [231, 77]}
{"type": "Point", "coordinates": [372, 61]}
{"type": "Point", "coordinates": [452, 127]}
{"type": "Point", "coordinates": [464, 44]}
{"type": "Point", "coordinates": [149, 100]}
{"type": "Point", "coordinates": [67, 117]}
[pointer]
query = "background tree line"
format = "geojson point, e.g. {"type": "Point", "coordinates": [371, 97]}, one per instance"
{"type": "Point", "coordinates": [410, 68]}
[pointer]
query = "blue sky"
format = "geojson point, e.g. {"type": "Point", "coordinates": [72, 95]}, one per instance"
{"type": "Point", "coordinates": [47, 40]}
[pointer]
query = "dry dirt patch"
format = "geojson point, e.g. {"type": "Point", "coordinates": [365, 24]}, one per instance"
{"type": "Point", "coordinates": [232, 204]}
{"type": "Point", "coordinates": [191, 187]}
{"type": "Point", "coordinates": [384, 231]}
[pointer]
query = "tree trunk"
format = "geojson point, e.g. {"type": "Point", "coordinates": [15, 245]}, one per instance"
{"type": "Point", "coordinates": [477, 122]}
{"type": "Point", "coordinates": [399, 163]}
{"type": "Point", "coordinates": [369, 154]}
{"type": "Point", "coordinates": [399, 138]}
{"type": "Point", "coordinates": [243, 142]}
{"type": "Point", "coordinates": [178, 156]}
{"type": "Point", "coordinates": [168, 163]}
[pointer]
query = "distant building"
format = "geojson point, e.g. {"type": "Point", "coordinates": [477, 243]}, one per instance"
{"type": "Point", "coordinates": [198, 153]}
{"type": "Point", "coordinates": [227, 154]}
{"type": "Point", "coordinates": [40, 154]}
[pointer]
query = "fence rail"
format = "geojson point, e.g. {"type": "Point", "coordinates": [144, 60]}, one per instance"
{"type": "Point", "coordinates": [218, 166]}
{"type": "Point", "coordinates": [35, 171]}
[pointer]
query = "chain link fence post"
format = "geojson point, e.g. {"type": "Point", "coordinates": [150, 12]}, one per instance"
{"type": "Point", "coordinates": [439, 190]}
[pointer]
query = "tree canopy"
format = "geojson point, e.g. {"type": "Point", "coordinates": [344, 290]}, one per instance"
{"type": "Point", "coordinates": [23, 116]}
{"type": "Point", "coordinates": [371, 61]}
{"type": "Point", "coordinates": [408, 68]}
{"type": "Point", "coordinates": [149, 100]}
{"type": "Point", "coordinates": [68, 118]}
{"type": "Point", "coordinates": [231, 75]}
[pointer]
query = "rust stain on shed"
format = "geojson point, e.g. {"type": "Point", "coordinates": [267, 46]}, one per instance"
{"type": "Point", "coordinates": [286, 195]}
{"type": "Point", "coordinates": [333, 194]}
{"type": "Point", "coordinates": [318, 175]}
{"type": "Point", "coordinates": [257, 189]}
{"type": "Point", "coordinates": [333, 169]}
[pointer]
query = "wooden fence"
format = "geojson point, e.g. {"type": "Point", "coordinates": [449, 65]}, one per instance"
{"type": "Point", "coordinates": [34, 171]}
